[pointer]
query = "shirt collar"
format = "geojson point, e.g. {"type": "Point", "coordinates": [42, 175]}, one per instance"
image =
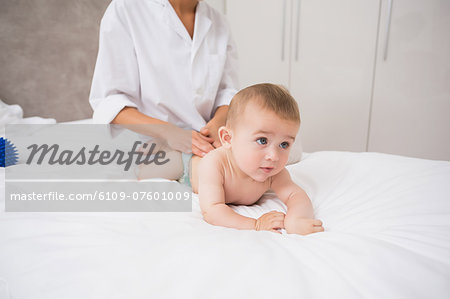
{"type": "Point", "coordinates": [201, 26]}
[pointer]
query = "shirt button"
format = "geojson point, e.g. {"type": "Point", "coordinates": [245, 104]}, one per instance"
{"type": "Point", "coordinates": [199, 91]}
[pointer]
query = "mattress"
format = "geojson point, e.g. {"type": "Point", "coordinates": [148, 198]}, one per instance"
{"type": "Point", "coordinates": [387, 235]}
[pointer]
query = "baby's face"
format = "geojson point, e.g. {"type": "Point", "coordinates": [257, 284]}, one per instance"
{"type": "Point", "coordinates": [261, 142]}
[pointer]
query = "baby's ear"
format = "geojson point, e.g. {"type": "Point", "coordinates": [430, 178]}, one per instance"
{"type": "Point", "coordinates": [225, 136]}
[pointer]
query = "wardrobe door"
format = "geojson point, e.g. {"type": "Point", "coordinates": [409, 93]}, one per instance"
{"type": "Point", "coordinates": [411, 103]}
{"type": "Point", "coordinates": [218, 5]}
{"type": "Point", "coordinates": [261, 30]}
{"type": "Point", "coordinates": [333, 54]}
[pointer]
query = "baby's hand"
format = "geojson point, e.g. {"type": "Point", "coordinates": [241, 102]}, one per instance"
{"type": "Point", "coordinates": [302, 226]}
{"type": "Point", "coordinates": [270, 221]}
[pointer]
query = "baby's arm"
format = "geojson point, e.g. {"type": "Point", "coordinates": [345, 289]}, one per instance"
{"type": "Point", "coordinates": [300, 215]}
{"type": "Point", "coordinates": [214, 209]}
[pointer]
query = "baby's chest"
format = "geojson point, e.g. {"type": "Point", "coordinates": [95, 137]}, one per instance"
{"type": "Point", "coordinates": [243, 194]}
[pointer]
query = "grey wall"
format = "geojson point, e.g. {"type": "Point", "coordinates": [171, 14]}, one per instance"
{"type": "Point", "coordinates": [48, 50]}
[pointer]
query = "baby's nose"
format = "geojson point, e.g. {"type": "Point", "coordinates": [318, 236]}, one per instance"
{"type": "Point", "coordinates": [272, 154]}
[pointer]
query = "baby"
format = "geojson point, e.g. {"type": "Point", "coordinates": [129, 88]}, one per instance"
{"type": "Point", "coordinates": [261, 126]}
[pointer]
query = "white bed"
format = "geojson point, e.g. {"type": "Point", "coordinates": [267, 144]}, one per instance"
{"type": "Point", "coordinates": [387, 222]}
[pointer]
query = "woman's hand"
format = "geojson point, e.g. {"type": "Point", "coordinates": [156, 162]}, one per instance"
{"type": "Point", "coordinates": [211, 131]}
{"type": "Point", "coordinates": [187, 141]}
{"type": "Point", "coordinates": [212, 127]}
{"type": "Point", "coordinates": [176, 138]}
{"type": "Point", "coordinates": [201, 144]}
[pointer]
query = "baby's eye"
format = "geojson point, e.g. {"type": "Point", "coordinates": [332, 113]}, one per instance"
{"type": "Point", "coordinates": [262, 140]}
{"type": "Point", "coordinates": [284, 145]}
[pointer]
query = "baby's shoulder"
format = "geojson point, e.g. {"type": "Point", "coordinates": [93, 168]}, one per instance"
{"type": "Point", "coordinates": [214, 159]}
{"type": "Point", "coordinates": [216, 154]}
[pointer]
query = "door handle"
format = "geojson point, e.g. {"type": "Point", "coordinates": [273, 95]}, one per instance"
{"type": "Point", "coordinates": [283, 30]}
{"type": "Point", "coordinates": [388, 29]}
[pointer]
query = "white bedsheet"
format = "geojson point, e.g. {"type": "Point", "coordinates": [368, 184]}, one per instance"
{"type": "Point", "coordinates": [387, 222]}
{"type": "Point", "coordinates": [13, 114]}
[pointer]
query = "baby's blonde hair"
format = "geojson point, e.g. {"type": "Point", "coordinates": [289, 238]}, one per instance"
{"type": "Point", "coordinates": [275, 98]}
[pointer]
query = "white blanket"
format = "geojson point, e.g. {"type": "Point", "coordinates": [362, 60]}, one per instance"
{"type": "Point", "coordinates": [13, 114]}
{"type": "Point", "coordinates": [387, 222]}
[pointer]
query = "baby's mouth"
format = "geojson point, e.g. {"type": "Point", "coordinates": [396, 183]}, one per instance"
{"type": "Point", "coordinates": [266, 169]}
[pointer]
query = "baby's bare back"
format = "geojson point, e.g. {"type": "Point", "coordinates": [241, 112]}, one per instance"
{"type": "Point", "coordinates": [238, 188]}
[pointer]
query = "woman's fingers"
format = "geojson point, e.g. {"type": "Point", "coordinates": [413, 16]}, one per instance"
{"type": "Point", "coordinates": [204, 131]}
{"type": "Point", "coordinates": [199, 152]}
{"type": "Point", "coordinates": [205, 138]}
{"type": "Point", "coordinates": [196, 151]}
{"type": "Point", "coordinates": [204, 147]}
{"type": "Point", "coordinates": [212, 138]}
{"type": "Point", "coordinates": [201, 138]}
{"type": "Point", "coordinates": [200, 144]}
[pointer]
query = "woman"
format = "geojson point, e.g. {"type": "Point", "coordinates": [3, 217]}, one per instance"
{"type": "Point", "coordinates": [170, 63]}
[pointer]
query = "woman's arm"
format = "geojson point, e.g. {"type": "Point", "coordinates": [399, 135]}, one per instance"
{"type": "Point", "coordinates": [115, 83]}
{"type": "Point", "coordinates": [177, 138]}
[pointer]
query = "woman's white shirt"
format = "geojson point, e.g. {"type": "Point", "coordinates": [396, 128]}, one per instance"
{"type": "Point", "coordinates": [148, 60]}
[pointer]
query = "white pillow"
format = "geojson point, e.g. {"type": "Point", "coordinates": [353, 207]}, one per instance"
{"type": "Point", "coordinates": [296, 150]}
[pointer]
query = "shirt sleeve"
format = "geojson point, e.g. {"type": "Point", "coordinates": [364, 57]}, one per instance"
{"type": "Point", "coordinates": [229, 85]}
{"type": "Point", "coordinates": [115, 83]}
